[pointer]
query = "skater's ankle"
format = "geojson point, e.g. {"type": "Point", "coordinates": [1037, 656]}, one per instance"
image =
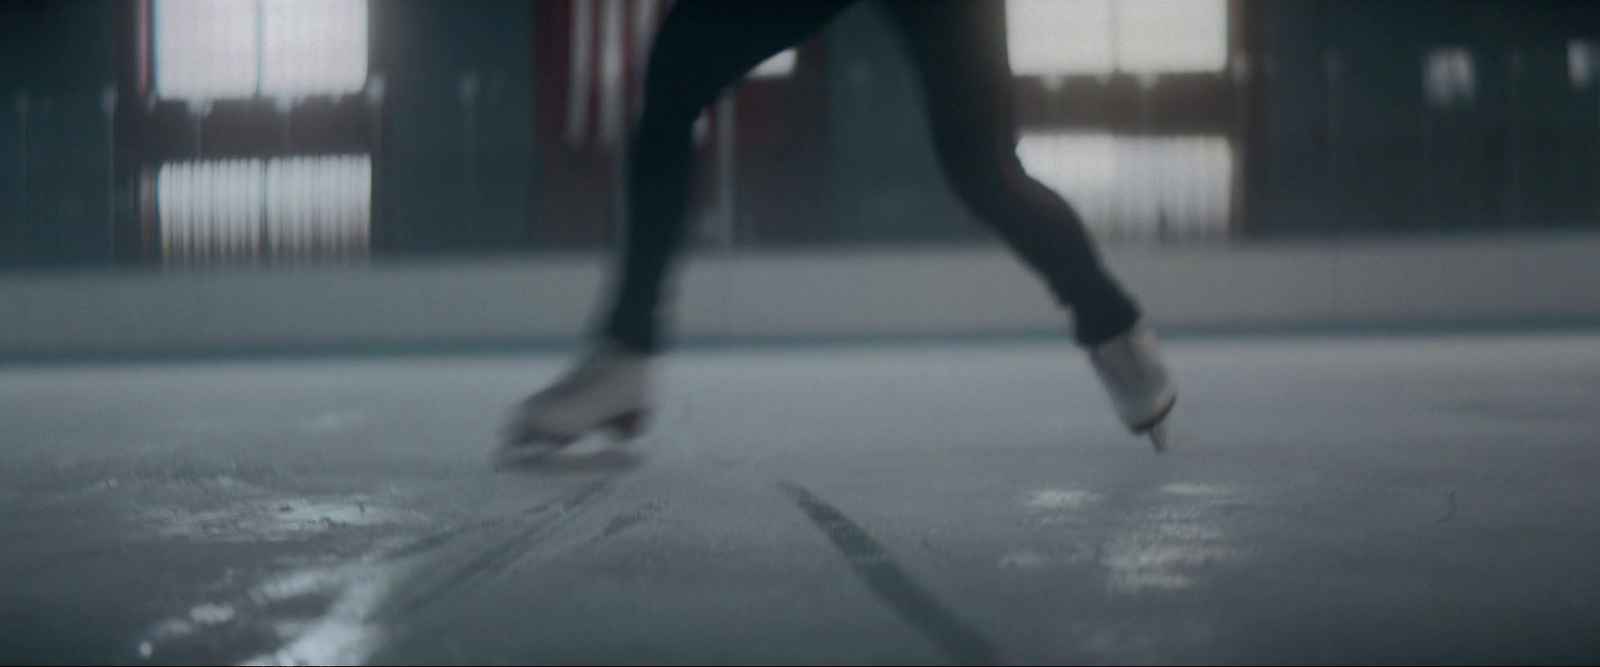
{"type": "Point", "coordinates": [626, 347]}
{"type": "Point", "coordinates": [1091, 339]}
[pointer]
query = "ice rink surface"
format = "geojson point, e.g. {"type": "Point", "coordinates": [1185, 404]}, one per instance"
{"type": "Point", "coordinates": [1327, 499]}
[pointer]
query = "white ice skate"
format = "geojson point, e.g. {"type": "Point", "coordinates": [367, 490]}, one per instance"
{"type": "Point", "coordinates": [1137, 379]}
{"type": "Point", "coordinates": [606, 390]}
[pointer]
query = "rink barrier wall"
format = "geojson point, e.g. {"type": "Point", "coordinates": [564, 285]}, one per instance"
{"type": "Point", "coordinates": [753, 296]}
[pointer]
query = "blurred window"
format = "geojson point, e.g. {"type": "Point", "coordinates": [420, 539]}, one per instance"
{"type": "Point", "coordinates": [292, 206]}
{"type": "Point", "coordinates": [1137, 187]}
{"type": "Point", "coordinates": [215, 49]}
{"type": "Point", "coordinates": [299, 207]}
{"type": "Point", "coordinates": [1448, 77]}
{"type": "Point", "coordinates": [1582, 62]}
{"type": "Point", "coordinates": [1052, 38]}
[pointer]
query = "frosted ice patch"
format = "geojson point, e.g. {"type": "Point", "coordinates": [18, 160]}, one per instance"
{"type": "Point", "coordinates": [1137, 566]}
{"type": "Point", "coordinates": [270, 520]}
{"type": "Point", "coordinates": [1196, 490]}
{"type": "Point", "coordinates": [1174, 544]}
{"type": "Point", "coordinates": [1025, 560]}
{"type": "Point", "coordinates": [298, 584]}
{"type": "Point", "coordinates": [199, 616]}
{"type": "Point", "coordinates": [171, 628]}
{"type": "Point", "coordinates": [290, 629]}
{"type": "Point", "coordinates": [1190, 532]}
{"type": "Point", "coordinates": [345, 635]}
{"type": "Point", "coordinates": [211, 614]}
{"type": "Point", "coordinates": [333, 422]}
{"type": "Point", "coordinates": [1060, 499]}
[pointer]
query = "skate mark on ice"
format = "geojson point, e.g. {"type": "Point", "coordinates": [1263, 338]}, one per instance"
{"type": "Point", "coordinates": [626, 520]}
{"type": "Point", "coordinates": [362, 596]}
{"type": "Point", "coordinates": [431, 542]}
{"type": "Point", "coordinates": [891, 584]}
{"type": "Point", "coordinates": [413, 547]}
{"type": "Point", "coordinates": [1451, 513]}
{"type": "Point", "coordinates": [497, 556]}
{"type": "Point", "coordinates": [557, 461]}
{"type": "Point", "coordinates": [1451, 501]}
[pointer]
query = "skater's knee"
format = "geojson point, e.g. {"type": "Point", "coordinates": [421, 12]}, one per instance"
{"type": "Point", "coordinates": [985, 181]}
{"type": "Point", "coordinates": [674, 96]}
{"type": "Point", "coordinates": [664, 110]}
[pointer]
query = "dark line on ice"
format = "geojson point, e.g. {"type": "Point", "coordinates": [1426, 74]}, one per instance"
{"type": "Point", "coordinates": [893, 585]}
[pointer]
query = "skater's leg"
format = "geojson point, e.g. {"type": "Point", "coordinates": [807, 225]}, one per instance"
{"type": "Point", "coordinates": [959, 47]}
{"type": "Point", "coordinates": [703, 47]}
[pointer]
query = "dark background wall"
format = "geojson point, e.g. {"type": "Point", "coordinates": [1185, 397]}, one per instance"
{"type": "Point", "coordinates": [1351, 143]}
{"type": "Point", "coordinates": [56, 61]}
{"type": "Point", "coordinates": [458, 159]}
{"type": "Point", "coordinates": [884, 182]}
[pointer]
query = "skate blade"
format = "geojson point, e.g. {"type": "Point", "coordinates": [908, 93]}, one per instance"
{"type": "Point", "coordinates": [529, 446]}
{"type": "Point", "coordinates": [510, 456]}
{"type": "Point", "coordinates": [1157, 428]}
{"type": "Point", "coordinates": [1158, 436]}
{"type": "Point", "coordinates": [526, 448]}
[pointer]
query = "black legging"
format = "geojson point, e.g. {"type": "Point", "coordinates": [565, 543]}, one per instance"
{"type": "Point", "coordinates": [959, 48]}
